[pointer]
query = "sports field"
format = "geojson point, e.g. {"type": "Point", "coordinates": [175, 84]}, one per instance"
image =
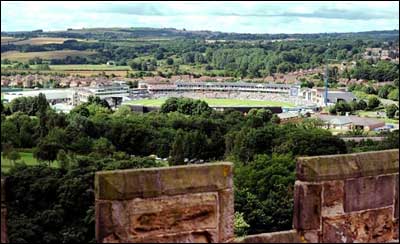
{"type": "Point", "coordinates": [215, 102]}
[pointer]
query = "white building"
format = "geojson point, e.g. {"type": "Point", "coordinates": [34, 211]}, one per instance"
{"type": "Point", "coordinates": [317, 96]}
{"type": "Point", "coordinates": [118, 89]}
{"type": "Point", "coordinates": [75, 96]}
{"type": "Point", "coordinates": [53, 96]}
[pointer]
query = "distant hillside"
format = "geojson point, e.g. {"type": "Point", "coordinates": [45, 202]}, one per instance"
{"type": "Point", "coordinates": [172, 33]}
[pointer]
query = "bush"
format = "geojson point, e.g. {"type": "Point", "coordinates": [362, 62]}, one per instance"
{"type": "Point", "coordinates": [240, 225]}
{"type": "Point", "coordinates": [373, 102]}
{"type": "Point", "coordinates": [391, 110]}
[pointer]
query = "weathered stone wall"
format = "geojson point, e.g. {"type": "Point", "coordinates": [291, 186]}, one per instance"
{"type": "Point", "coordinates": [3, 214]}
{"type": "Point", "coordinates": [175, 204]}
{"type": "Point", "coordinates": [348, 198]}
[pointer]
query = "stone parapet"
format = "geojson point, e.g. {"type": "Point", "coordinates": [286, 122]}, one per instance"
{"type": "Point", "coordinates": [174, 204]}
{"type": "Point", "coordinates": [348, 198]}
{"type": "Point", "coordinates": [345, 166]}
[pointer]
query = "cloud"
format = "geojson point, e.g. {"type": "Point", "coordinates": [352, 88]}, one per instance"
{"type": "Point", "coordinates": [243, 17]}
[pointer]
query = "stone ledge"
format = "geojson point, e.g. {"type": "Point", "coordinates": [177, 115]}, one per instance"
{"type": "Point", "coordinates": [290, 236]}
{"type": "Point", "coordinates": [339, 167]}
{"type": "Point", "coordinates": [153, 182]}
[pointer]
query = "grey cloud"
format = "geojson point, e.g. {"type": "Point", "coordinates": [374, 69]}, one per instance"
{"type": "Point", "coordinates": [159, 9]}
{"type": "Point", "coordinates": [144, 9]}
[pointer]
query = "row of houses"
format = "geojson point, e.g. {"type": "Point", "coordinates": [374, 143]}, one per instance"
{"type": "Point", "coordinates": [35, 80]}
{"type": "Point", "coordinates": [382, 54]}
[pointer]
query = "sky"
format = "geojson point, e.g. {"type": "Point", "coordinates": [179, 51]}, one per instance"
{"type": "Point", "coordinates": [237, 16]}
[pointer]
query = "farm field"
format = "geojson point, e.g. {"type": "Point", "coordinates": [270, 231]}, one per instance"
{"type": "Point", "coordinates": [215, 102]}
{"type": "Point", "coordinates": [36, 41]}
{"type": "Point", "coordinates": [91, 67]}
{"type": "Point", "coordinates": [27, 157]}
{"type": "Point", "coordinates": [8, 40]}
{"type": "Point", "coordinates": [24, 57]}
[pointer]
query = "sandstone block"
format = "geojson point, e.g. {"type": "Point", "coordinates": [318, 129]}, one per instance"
{"type": "Point", "coordinates": [207, 236]}
{"type": "Point", "coordinates": [339, 167]}
{"type": "Point", "coordinates": [368, 192]}
{"type": "Point", "coordinates": [396, 198]}
{"type": "Point", "coordinates": [152, 182]}
{"type": "Point", "coordinates": [4, 225]}
{"type": "Point", "coordinates": [104, 224]}
{"type": "Point", "coordinates": [310, 236]}
{"type": "Point", "coordinates": [307, 206]}
{"type": "Point", "coordinates": [173, 214]}
{"type": "Point", "coordinates": [156, 219]}
{"type": "Point", "coordinates": [368, 226]}
{"type": "Point", "coordinates": [227, 215]}
{"type": "Point", "coordinates": [333, 193]}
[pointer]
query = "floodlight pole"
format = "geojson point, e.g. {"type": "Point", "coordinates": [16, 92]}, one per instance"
{"type": "Point", "coordinates": [326, 80]}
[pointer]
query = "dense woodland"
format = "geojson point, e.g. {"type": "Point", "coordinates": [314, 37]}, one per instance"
{"type": "Point", "coordinates": [48, 204]}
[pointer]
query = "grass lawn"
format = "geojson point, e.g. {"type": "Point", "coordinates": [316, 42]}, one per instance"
{"type": "Point", "coordinates": [216, 102]}
{"type": "Point", "coordinates": [27, 157]}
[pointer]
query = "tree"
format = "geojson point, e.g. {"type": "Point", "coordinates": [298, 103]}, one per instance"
{"type": "Point", "coordinates": [10, 153]}
{"type": "Point", "coordinates": [332, 109]}
{"type": "Point", "coordinates": [177, 156]}
{"type": "Point", "coordinates": [394, 94]}
{"type": "Point", "coordinates": [258, 117]}
{"type": "Point", "coordinates": [123, 111]}
{"type": "Point", "coordinates": [10, 133]}
{"type": "Point", "coordinates": [369, 90]}
{"type": "Point", "coordinates": [391, 110]}
{"type": "Point", "coordinates": [170, 105]}
{"type": "Point", "coordinates": [49, 146]}
{"type": "Point", "coordinates": [373, 102]}
{"type": "Point", "coordinates": [42, 104]}
{"type": "Point", "coordinates": [63, 160]}
{"type": "Point", "coordinates": [103, 147]}
{"type": "Point", "coordinates": [263, 192]}
{"type": "Point", "coordinates": [170, 61]}
{"type": "Point", "coordinates": [362, 105]}
{"type": "Point", "coordinates": [384, 91]}
{"type": "Point", "coordinates": [342, 107]}
{"type": "Point", "coordinates": [159, 55]}
{"type": "Point", "coordinates": [81, 110]}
